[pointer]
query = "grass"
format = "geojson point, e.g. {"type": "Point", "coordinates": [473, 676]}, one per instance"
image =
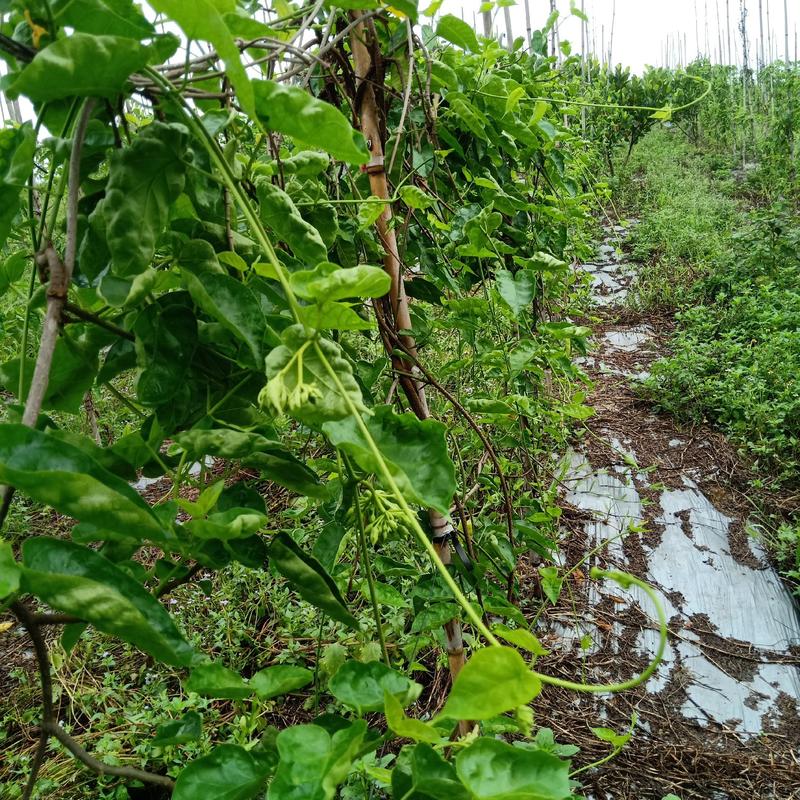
{"type": "Point", "coordinates": [731, 274]}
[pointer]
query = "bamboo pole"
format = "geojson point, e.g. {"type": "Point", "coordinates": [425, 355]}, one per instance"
{"type": "Point", "coordinates": [761, 34]}
{"type": "Point", "coordinates": [528, 23]}
{"type": "Point", "coordinates": [786, 29]}
{"type": "Point", "coordinates": [487, 24]}
{"type": "Point", "coordinates": [362, 41]}
{"type": "Point", "coordinates": [509, 31]}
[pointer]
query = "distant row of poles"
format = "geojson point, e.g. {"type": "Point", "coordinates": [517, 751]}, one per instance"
{"type": "Point", "coordinates": [721, 34]}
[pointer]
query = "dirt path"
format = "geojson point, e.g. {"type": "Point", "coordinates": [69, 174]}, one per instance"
{"type": "Point", "coordinates": [721, 717]}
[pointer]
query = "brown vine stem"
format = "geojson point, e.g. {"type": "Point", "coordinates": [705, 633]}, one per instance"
{"type": "Point", "coordinates": [60, 276]}
{"type": "Point", "coordinates": [395, 311]}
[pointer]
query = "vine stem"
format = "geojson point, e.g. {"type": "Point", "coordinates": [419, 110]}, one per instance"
{"type": "Point", "coordinates": [60, 276]}
{"type": "Point", "coordinates": [362, 538]}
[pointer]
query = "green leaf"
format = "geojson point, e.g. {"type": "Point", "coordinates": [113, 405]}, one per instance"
{"type": "Point", "coordinates": [13, 268]}
{"type": "Point", "coordinates": [60, 475]}
{"type": "Point", "coordinates": [111, 17]}
{"type": "Point", "coordinates": [79, 581]}
{"type": "Point", "coordinates": [514, 96]}
{"type": "Point", "coordinates": [313, 763]}
{"type": "Point", "coordinates": [144, 179]}
{"type": "Point", "coordinates": [279, 213]}
{"type": "Point", "coordinates": [361, 686]}
{"type": "Point", "coordinates": [521, 638]}
{"type": "Point", "coordinates": [493, 681]}
{"type": "Point", "coordinates": [280, 679]}
{"type": "Point", "coordinates": [369, 212]}
{"type": "Point", "coordinates": [407, 727]}
{"type": "Point", "coordinates": [179, 731]}
{"type": "Point", "coordinates": [458, 32]}
{"type": "Point", "coordinates": [616, 740]}
{"type": "Point", "coordinates": [414, 197]}
{"type": "Point", "coordinates": [551, 583]}
{"type": "Point", "coordinates": [328, 282]}
{"type": "Point", "coordinates": [296, 113]}
{"type": "Point", "coordinates": [215, 680]}
{"type": "Point", "coordinates": [80, 65]}
{"type": "Point", "coordinates": [233, 523]}
{"type": "Point", "coordinates": [422, 774]}
{"type": "Point", "coordinates": [414, 450]}
{"type": "Point", "coordinates": [494, 770]}
{"type": "Point", "coordinates": [203, 19]}
{"type": "Point", "coordinates": [330, 316]}
{"type": "Point", "coordinates": [233, 305]}
{"type": "Point", "coordinates": [228, 772]}
{"type": "Point", "coordinates": [17, 146]}
{"type": "Point", "coordinates": [9, 571]}
{"type": "Point", "coordinates": [309, 579]}
{"type": "Point", "coordinates": [289, 383]}
{"type": "Point", "coordinates": [516, 290]}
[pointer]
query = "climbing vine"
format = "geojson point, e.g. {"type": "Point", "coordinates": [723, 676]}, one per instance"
{"type": "Point", "coordinates": [322, 256]}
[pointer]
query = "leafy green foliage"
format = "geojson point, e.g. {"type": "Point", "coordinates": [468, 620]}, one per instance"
{"type": "Point", "coordinates": [229, 772]}
{"type": "Point", "coordinates": [292, 111]}
{"type": "Point", "coordinates": [493, 681]}
{"type": "Point", "coordinates": [78, 581]}
{"type": "Point", "coordinates": [80, 66]}
{"type": "Point", "coordinates": [362, 686]}
{"type": "Point", "coordinates": [309, 578]}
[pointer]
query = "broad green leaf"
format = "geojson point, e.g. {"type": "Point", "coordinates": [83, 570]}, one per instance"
{"type": "Point", "coordinates": [516, 290]}
{"type": "Point", "coordinates": [17, 146]}
{"type": "Point", "coordinates": [280, 679]}
{"type": "Point", "coordinates": [75, 365]}
{"type": "Point", "coordinates": [223, 443]}
{"type": "Point", "coordinates": [493, 681]}
{"type": "Point", "coordinates": [296, 113]}
{"type": "Point", "coordinates": [551, 583]}
{"type": "Point", "coordinates": [179, 731]}
{"type": "Point", "coordinates": [9, 571]}
{"type": "Point", "coordinates": [616, 740]}
{"type": "Point", "coordinates": [422, 774]}
{"type": "Point", "coordinates": [144, 179]}
{"type": "Point", "coordinates": [414, 197]}
{"type": "Point", "coordinates": [13, 268]}
{"type": "Point", "coordinates": [434, 616]}
{"type": "Point", "coordinates": [494, 770]}
{"type": "Point", "coordinates": [539, 110]}
{"type": "Point", "coordinates": [60, 475]}
{"type": "Point", "coordinates": [407, 727]}
{"type": "Point", "coordinates": [327, 282]}
{"type": "Point", "coordinates": [79, 581]}
{"type": "Point", "coordinates": [228, 772]}
{"type": "Point", "coordinates": [514, 96]}
{"type": "Point", "coordinates": [233, 523]}
{"type": "Point", "coordinates": [233, 305]}
{"type": "Point", "coordinates": [274, 461]}
{"type": "Point", "coordinates": [369, 212]}
{"type": "Point", "coordinates": [301, 385]}
{"type": "Point", "coordinates": [313, 763]}
{"type": "Point", "coordinates": [386, 595]}
{"type": "Point", "coordinates": [545, 262]}
{"type": "Point", "coordinates": [471, 118]}
{"type": "Point", "coordinates": [110, 17]}
{"type": "Point", "coordinates": [458, 32]}
{"type": "Point", "coordinates": [215, 680]}
{"type": "Point", "coordinates": [331, 316]}
{"type": "Point", "coordinates": [80, 65]}
{"type": "Point", "coordinates": [521, 638]}
{"type": "Point", "coordinates": [203, 19]}
{"type": "Point", "coordinates": [309, 579]}
{"type": "Point", "coordinates": [415, 452]}
{"type": "Point", "coordinates": [279, 213]}
{"type": "Point", "coordinates": [361, 686]}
